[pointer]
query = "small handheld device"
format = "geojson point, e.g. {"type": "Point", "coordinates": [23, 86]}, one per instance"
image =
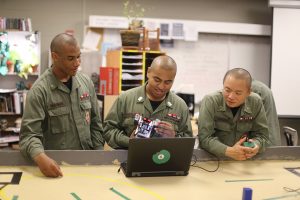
{"type": "Point", "coordinates": [145, 127]}
{"type": "Point", "coordinates": [248, 143]}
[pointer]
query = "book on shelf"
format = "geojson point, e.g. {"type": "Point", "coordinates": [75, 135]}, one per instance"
{"type": "Point", "coordinates": [9, 135]}
{"type": "Point", "coordinates": [21, 24]}
{"type": "Point", "coordinates": [17, 102]}
{"type": "Point", "coordinates": [12, 101]}
{"type": "Point", "coordinates": [9, 139]}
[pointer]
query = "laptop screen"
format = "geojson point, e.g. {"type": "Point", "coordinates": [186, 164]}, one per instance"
{"type": "Point", "coordinates": [159, 156]}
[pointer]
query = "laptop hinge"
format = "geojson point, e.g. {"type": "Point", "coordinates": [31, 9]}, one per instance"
{"type": "Point", "coordinates": [159, 173]}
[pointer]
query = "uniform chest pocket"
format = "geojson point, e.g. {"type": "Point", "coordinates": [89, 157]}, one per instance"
{"type": "Point", "coordinates": [86, 105]}
{"type": "Point", "coordinates": [59, 120]}
{"type": "Point", "coordinates": [223, 126]}
{"type": "Point", "coordinates": [244, 126]}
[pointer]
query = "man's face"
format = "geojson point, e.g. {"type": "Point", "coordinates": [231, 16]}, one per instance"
{"type": "Point", "coordinates": [235, 91]}
{"type": "Point", "coordinates": [160, 82]}
{"type": "Point", "coordinates": [68, 60]}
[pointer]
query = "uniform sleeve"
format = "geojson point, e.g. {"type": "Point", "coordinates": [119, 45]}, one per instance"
{"type": "Point", "coordinates": [31, 134]}
{"type": "Point", "coordinates": [260, 127]}
{"type": "Point", "coordinates": [272, 118]}
{"type": "Point", "coordinates": [206, 128]}
{"type": "Point", "coordinates": [185, 127]}
{"type": "Point", "coordinates": [96, 122]}
{"type": "Point", "coordinates": [114, 134]}
{"type": "Point", "coordinates": [270, 108]}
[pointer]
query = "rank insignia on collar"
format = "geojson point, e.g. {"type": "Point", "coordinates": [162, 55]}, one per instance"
{"type": "Point", "coordinates": [169, 104]}
{"type": "Point", "coordinates": [140, 99]}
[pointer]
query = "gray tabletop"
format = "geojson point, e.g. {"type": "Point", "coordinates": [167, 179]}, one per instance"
{"type": "Point", "coordinates": [15, 158]}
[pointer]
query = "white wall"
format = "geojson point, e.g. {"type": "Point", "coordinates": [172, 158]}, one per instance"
{"type": "Point", "coordinates": [202, 64]}
{"type": "Point", "coordinates": [55, 16]}
{"type": "Point", "coordinates": [285, 80]}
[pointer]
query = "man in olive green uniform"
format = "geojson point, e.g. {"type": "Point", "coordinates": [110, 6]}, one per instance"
{"type": "Point", "coordinates": [269, 104]}
{"type": "Point", "coordinates": [153, 101]}
{"type": "Point", "coordinates": [61, 110]}
{"type": "Point", "coordinates": [228, 118]}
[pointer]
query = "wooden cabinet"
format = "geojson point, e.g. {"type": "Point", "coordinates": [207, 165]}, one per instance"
{"type": "Point", "coordinates": [133, 65]}
{"type": "Point", "coordinates": [105, 103]}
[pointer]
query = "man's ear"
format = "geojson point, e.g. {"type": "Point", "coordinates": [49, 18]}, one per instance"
{"type": "Point", "coordinates": [148, 71]}
{"type": "Point", "coordinates": [250, 90]}
{"type": "Point", "coordinates": [54, 56]}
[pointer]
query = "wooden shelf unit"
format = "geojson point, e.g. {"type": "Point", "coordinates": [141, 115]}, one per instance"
{"type": "Point", "coordinates": [133, 65]}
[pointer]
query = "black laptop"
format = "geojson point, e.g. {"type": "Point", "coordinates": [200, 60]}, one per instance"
{"type": "Point", "coordinates": [158, 157]}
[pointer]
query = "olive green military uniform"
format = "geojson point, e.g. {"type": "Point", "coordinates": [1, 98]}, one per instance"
{"type": "Point", "coordinates": [219, 129]}
{"type": "Point", "coordinates": [269, 104]}
{"type": "Point", "coordinates": [119, 123]}
{"type": "Point", "coordinates": [56, 118]}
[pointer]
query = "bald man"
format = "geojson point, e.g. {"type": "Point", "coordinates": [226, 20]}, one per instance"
{"type": "Point", "coordinates": [61, 110]}
{"type": "Point", "coordinates": [153, 101]}
{"type": "Point", "coordinates": [233, 116]}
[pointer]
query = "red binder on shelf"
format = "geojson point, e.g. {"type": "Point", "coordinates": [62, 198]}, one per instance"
{"type": "Point", "coordinates": [109, 81]}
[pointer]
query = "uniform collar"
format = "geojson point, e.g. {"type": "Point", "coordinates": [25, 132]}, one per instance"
{"type": "Point", "coordinates": [245, 108]}
{"type": "Point", "coordinates": [222, 106]}
{"type": "Point", "coordinates": [141, 97]}
{"type": "Point", "coordinates": [55, 83]}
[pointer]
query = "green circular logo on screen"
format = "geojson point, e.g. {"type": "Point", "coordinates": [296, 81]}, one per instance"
{"type": "Point", "coordinates": [161, 157]}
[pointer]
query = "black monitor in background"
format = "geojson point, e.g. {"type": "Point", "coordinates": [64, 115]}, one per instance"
{"type": "Point", "coordinates": [189, 100]}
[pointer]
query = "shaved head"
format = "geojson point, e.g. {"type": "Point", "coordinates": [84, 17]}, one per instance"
{"type": "Point", "coordinates": [164, 62]}
{"type": "Point", "coordinates": [60, 40]}
{"type": "Point", "coordinates": [239, 73]}
{"type": "Point", "coordinates": [161, 75]}
{"type": "Point", "coordinates": [65, 54]}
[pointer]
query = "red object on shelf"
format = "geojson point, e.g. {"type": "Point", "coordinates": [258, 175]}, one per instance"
{"type": "Point", "coordinates": [109, 81]}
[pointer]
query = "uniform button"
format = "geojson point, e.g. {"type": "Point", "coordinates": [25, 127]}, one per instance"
{"type": "Point", "coordinates": [63, 143]}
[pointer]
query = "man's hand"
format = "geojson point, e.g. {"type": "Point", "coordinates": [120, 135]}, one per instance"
{"type": "Point", "coordinates": [237, 151]}
{"type": "Point", "coordinates": [250, 152]}
{"type": "Point", "coordinates": [165, 129]}
{"type": "Point", "coordinates": [47, 165]}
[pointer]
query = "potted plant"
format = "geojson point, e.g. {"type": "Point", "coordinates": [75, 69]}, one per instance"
{"type": "Point", "coordinates": [133, 12]}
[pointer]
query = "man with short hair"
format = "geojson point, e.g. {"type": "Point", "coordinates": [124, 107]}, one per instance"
{"type": "Point", "coordinates": [152, 101]}
{"type": "Point", "coordinates": [233, 116]}
{"type": "Point", "coordinates": [61, 110]}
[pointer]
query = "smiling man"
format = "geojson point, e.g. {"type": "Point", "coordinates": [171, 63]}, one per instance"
{"type": "Point", "coordinates": [153, 101]}
{"type": "Point", "coordinates": [61, 110]}
{"type": "Point", "coordinates": [231, 117]}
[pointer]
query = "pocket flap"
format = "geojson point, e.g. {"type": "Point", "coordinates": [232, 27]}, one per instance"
{"type": "Point", "coordinates": [59, 111]}
{"type": "Point", "coordinates": [86, 105]}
